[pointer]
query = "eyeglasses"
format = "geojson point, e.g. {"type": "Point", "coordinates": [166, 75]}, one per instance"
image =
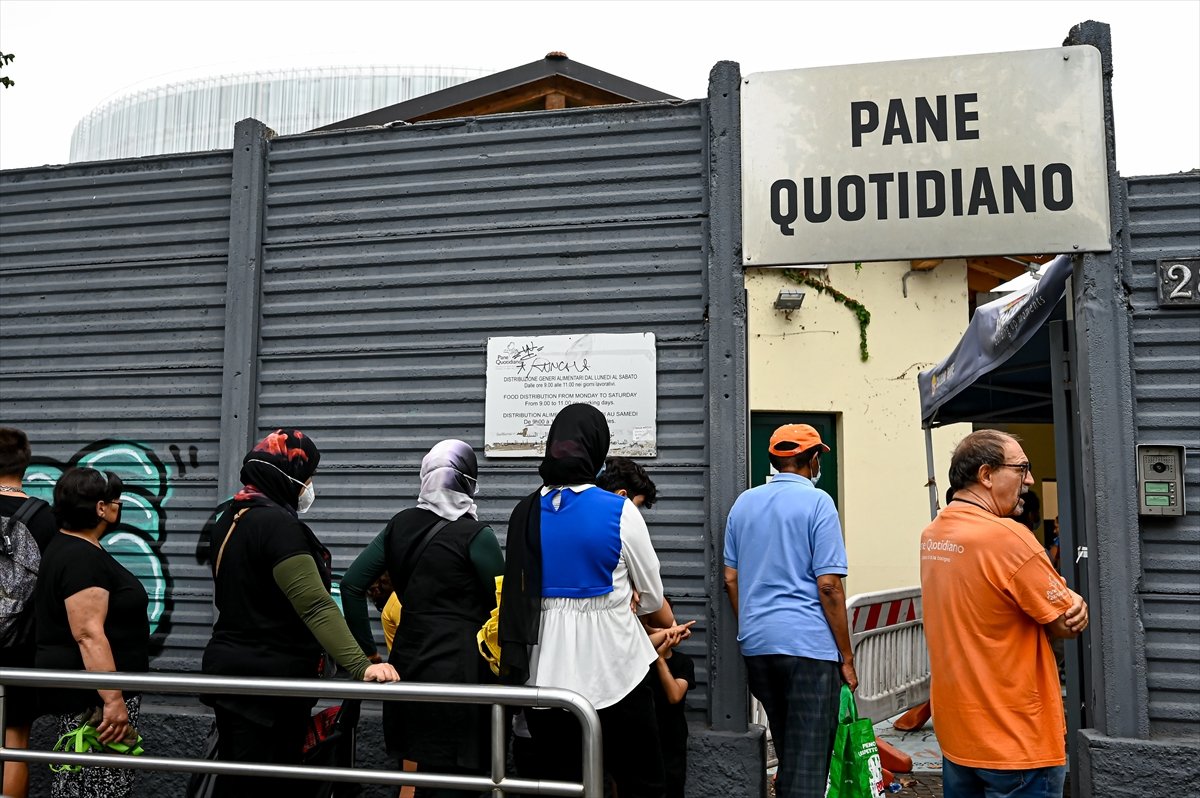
{"type": "Point", "coordinates": [1025, 467]}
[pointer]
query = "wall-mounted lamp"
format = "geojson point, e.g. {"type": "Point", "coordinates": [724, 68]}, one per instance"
{"type": "Point", "coordinates": [789, 300]}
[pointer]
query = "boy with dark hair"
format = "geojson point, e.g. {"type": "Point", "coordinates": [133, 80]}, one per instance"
{"type": "Point", "coordinates": [626, 478]}
{"type": "Point", "coordinates": [19, 562]}
{"type": "Point", "coordinates": [673, 673]}
{"type": "Point", "coordinates": [671, 676]}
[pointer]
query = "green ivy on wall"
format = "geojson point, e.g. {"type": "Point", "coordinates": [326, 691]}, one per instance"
{"type": "Point", "coordinates": [853, 305]}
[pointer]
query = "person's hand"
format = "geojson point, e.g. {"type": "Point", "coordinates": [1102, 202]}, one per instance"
{"type": "Point", "coordinates": [1076, 618]}
{"type": "Point", "coordinates": [669, 641]}
{"type": "Point", "coordinates": [848, 674]}
{"type": "Point", "coordinates": [636, 602]}
{"type": "Point", "coordinates": [114, 723]}
{"type": "Point", "coordinates": [382, 672]}
{"type": "Point", "coordinates": [685, 630]}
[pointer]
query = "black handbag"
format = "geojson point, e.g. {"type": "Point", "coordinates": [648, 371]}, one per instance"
{"type": "Point", "coordinates": [330, 742]}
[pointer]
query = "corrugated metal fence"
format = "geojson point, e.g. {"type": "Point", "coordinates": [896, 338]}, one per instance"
{"type": "Point", "coordinates": [111, 339]}
{"type": "Point", "coordinates": [1163, 214]}
{"type": "Point", "coordinates": [352, 296]}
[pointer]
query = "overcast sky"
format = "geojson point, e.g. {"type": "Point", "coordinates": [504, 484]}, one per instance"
{"type": "Point", "coordinates": [72, 56]}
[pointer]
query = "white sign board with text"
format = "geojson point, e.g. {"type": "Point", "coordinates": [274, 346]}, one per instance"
{"type": "Point", "coordinates": [943, 157]}
{"type": "Point", "coordinates": [531, 378]}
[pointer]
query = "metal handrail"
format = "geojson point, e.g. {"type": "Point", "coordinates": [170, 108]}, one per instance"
{"type": "Point", "coordinates": [174, 683]}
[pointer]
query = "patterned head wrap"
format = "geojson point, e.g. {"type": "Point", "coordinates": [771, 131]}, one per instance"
{"type": "Point", "coordinates": [278, 466]}
{"type": "Point", "coordinates": [448, 480]}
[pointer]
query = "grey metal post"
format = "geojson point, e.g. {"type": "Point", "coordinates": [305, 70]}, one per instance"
{"type": "Point", "coordinates": [1066, 469]}
{"type": "Point", "coordinates": [593, 753]}
{"type": "Point", "coordinates": [1104, 406]}
{"type": "Point", "coordinates": [498, 754]}
{"type": "Point", "coordinates": [243, 295]}
{"type": "Point", "coordinates": [728, 472]}
{"type": "Point", "coordinates": [932, 483]}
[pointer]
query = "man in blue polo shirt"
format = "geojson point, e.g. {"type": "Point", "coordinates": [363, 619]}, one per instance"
{"type": "Point", "coordinates": [784, 563]}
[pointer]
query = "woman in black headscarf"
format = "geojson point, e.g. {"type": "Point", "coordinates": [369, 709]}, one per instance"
{"type": "Point", "coordinates": [576, 554]}
{"type": "Point", "coordinates": [443, 563]}
{"type": "Point", "coordinates": [275, 614]}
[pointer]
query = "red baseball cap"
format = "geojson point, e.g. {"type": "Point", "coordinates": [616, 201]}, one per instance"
{"type": "Point", "coordinates": [791, 439]}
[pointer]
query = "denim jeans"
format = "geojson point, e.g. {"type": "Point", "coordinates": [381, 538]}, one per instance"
{"type": "Point", "coordinates": [959, 781]}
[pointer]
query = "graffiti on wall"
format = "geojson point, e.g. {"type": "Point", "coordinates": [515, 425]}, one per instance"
{"type": "Point", "coordinates": [137, 541]}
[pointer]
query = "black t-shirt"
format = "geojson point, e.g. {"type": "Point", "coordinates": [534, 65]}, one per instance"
{"type": "Point", "coordinates": [672, 720]}
{"type": "Point", "coordinates": [43, 527]}
{"type": "Point", "coordinates": [257, 631]}
{"type": "Point", "coordinates": [70, 565]}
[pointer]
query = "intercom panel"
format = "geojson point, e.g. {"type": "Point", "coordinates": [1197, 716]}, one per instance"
{"type": "Point", "coordinates": [1160, 480]}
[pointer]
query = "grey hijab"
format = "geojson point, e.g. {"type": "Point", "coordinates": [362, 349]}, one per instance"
{"type": "Point", "coordinates": [448, 480]}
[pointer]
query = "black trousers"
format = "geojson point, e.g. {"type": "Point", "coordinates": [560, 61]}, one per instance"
{"type": "Point", "coordinates": [631, 752]}
{"type": "Point", "coordinates": [278, 742]}
{"type": "Point", "coordinates": [801, 698]}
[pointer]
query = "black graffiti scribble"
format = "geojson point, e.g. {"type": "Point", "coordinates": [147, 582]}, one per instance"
{"type": "Point", "coordinates": [193, 458]}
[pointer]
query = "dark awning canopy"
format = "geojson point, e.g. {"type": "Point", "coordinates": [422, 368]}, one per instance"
{"type": "Point", "coordinates": [1000, 370]}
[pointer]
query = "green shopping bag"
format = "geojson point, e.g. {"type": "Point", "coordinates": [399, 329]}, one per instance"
{"type": "Point", "coordinates": [854, 768]}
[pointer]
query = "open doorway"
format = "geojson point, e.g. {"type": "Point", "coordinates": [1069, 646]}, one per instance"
{"type": "Point", "coordinates": [763, 424]}
{"type": "Point", "coordinates": [1011, 371]}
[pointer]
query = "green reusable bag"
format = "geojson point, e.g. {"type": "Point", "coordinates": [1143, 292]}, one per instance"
{"type": "Point", "coordinates": [854, 768]}
{"type": "Point", "coordinates": [85, 739]}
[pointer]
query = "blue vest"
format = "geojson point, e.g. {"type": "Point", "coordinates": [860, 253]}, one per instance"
{"type": "Point", "coordinates": [581, 542]}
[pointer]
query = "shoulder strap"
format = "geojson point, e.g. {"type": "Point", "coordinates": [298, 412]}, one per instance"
{"type": "Point", "coordinates": [225, 542]}
{"type": "Point", "coordinates": [24, 513]}
{"type": "Point", "coordinates": [27, 510]}
{"type": "Point", "coordinates": [414, 555]}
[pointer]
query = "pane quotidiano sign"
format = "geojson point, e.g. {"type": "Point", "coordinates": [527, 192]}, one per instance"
{"type": "Point", "coordinates": [943, 157]}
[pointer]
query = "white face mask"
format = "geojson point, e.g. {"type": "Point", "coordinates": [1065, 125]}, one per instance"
{"type": "Point", "coordinates": [308, 494]}
{"type": "Point", "coordinates": [815, 478]}
{"type": "Point", "coordinates": [307, 497]}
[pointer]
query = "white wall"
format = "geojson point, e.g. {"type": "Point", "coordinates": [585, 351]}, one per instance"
{"type": "Point", "coordinates": [811, 363]}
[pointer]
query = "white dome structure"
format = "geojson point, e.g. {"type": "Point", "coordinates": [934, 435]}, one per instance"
{"type": "Point", "coordinates": [197, 115]}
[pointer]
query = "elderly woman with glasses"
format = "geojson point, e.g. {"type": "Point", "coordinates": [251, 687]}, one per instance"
{"type": "Point", "coordinates": [443, 563]}
{"type": "Point", "coordinates": [91, 615]}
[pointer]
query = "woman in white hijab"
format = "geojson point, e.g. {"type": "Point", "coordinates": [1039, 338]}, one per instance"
{"type": "Point", "coordinates": [442, 562]}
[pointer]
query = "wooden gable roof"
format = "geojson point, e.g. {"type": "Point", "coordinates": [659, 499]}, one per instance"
{"type": "Point", "coordinates": [553, 82]}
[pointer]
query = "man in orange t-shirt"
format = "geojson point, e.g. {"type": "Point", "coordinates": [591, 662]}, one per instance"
{"type": "Point", "coordinates": [991, 599]}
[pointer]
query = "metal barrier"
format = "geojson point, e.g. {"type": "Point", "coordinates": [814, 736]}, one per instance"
{"type": "Point", "coordinates": [887, 634]}
{"type": "Point", "coordinates": [758, 714]}
{"type": "Point", "coordinates": [499, 697]}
